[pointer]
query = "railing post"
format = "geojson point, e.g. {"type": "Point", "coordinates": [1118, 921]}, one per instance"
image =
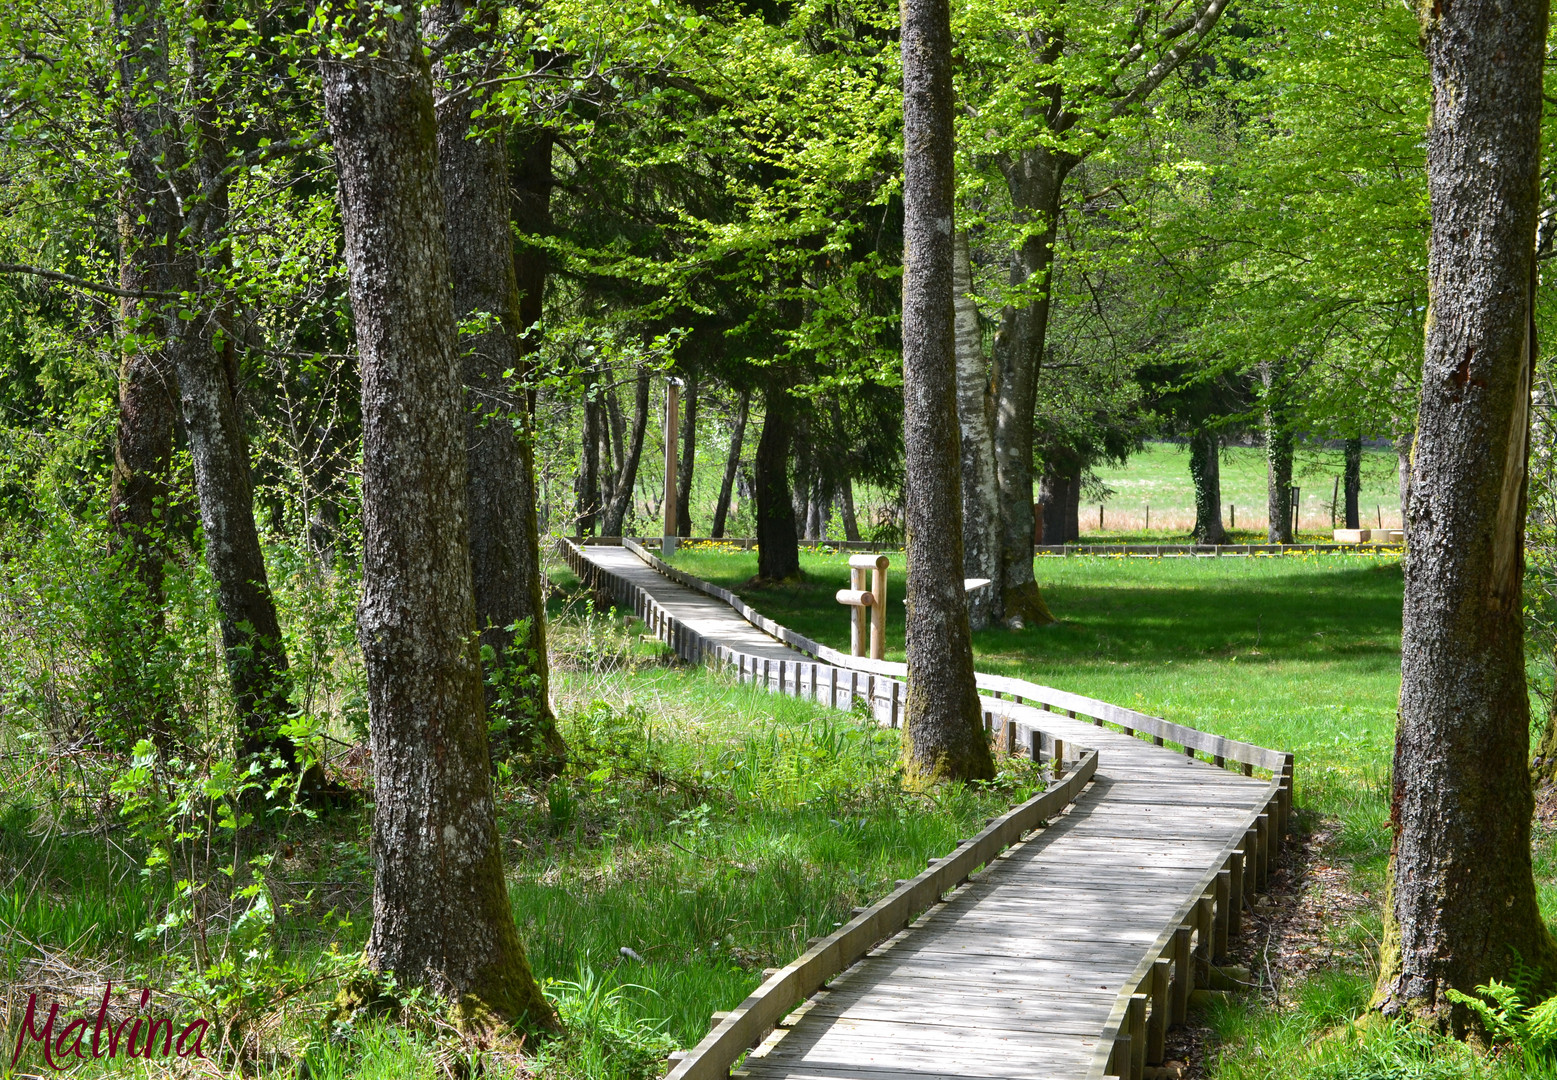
{"type": "Point", "coordinates": [1157, 1029]}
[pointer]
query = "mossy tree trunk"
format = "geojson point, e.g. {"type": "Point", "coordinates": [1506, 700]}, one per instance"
{"type": "Point", "coordinates": [1461, 905]}
{"type": "Point", "coordinates": [943, 731]}
{"type": "Point", "coordinates": [441, 916]}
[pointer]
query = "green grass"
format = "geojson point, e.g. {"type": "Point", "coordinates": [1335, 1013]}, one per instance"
{"type": "Point", "coordinates": [704, 831]}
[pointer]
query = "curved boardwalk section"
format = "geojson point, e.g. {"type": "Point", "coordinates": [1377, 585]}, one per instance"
{"type": "Point", "coordinates": [1058, 944]}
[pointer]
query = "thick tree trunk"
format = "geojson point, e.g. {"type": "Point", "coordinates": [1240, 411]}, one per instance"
{"type": "Point", "coordinates": [819, 505]}
{"type": "Point", "coordinates": [441, 917]}
{"type": "Point", "coordinates": [943, 730]}
{"type": "Point", "coordinates": [1461, 907]}
{"type": "Point", "coordinates": [1073, 508]}
{"type": "Point", "coordinates": [1036, 180]}
{"type": "Point", "coordinates": [975, 412]}
{"type": "Point", "coordinates": [778, 552]}
{"type": "Point", "coordinates": [504, 542]}
{"type": "Point", "coordinates": [143, 432]}
{"type": "Point", "coordinates": [732, 463]}
{"type": "Point", "coordinates": [1352, 482]}
{"type": "Point", "coordinates": [627, 479]}
{"type": "Point", "coordinates": [1205, 470]}
{"type": "Point", "coordinates": [688, 458]}
{"type": "Point", "coordinates": [1206, 475]}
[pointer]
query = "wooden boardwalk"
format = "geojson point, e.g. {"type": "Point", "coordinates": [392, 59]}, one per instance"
{"type": "Point", "coordinates": [1062, 951]}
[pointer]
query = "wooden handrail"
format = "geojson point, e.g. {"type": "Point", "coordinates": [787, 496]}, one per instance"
{"type": "Point", "coordinates": [1219, 748]}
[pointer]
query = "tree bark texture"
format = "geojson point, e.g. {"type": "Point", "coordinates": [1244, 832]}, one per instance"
{"type": "Point", "coordinates": [1403, 444]}
{"type": "Point", "coordinates": [943, 730]}
{"type": "Point", "coordinates": [505, 556]}
{"type": "Point", "coordinates": [688, 458]}
{"type": "Point", "coordinates": [851, 525]}
{"type": "Point", "coordinates": [778, 552]}
{"type": "Point", "coordinates": [975, 413]}
{"type": "Point", "coordinates": [627, 477]}
{"type": "Point", "coordinates": [143, 430]}
{"type": "Point", "coordinates": [1462, 901]}
{"type": "Point", "coordinates": [1278, 456]}
{"type": "Point", "coordinates": [1036, 180]}
{"type": "Point", "coordinates": [1205, 470]}
{"type": "Point", "coordinates": [732, 463]}
{"type": "Point", "coordinates": [1352, 482]}
{"type": "Point", "coordinates": [441, 917]}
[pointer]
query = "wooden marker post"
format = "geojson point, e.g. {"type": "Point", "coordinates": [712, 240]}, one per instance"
{"type": "Point", "coordinates": [877, 564]}
{"type": "Point", "coordinates": [859, 598]}
{"type": "Point", "coordinates": [672, 422]}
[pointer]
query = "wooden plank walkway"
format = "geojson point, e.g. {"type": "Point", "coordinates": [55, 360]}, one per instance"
{"type": "Point", "coordinates": [1068, 955]}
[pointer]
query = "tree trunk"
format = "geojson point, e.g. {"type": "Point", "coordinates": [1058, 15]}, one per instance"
{"type": "Point", "coordinates": [1073, 508]}
{"type": "Point", "coordinates": [688, 458]}
{"type": "Point", "coordinates": [1403, 442]}
{"type": "Point", "coordinates": [1054, 506]}
{"type": "Point", "coordinates": [975, 408]}
{"type": "Point", "coordinates": [732, 463]}
{"type": "Point", "coordinates": [587, 484]}
{"type": "Point", "coordinates": [1461, 906]}
{"type": "Point", "coordinates": [1035, 180]}
{"type": "Point", "coordinates": [627, 478]}
{"type": "Point", "coordinates": [441, 917]}
{"type": "Point", "coordinates": [1205, 470]}
{"type": "Point", "coordinates": [1352, 483]}
{"type": "Point", "coordinates": [1278, 456]}
{"type": "Point", "coordinates": [504, 542]}
{"type": "Point", "coordinates": [851, 526]}
{"type": "Point", "coordinates": [943, 730]}
{"type": "Point", "coordinates": [143, 432]}
{"type": "Point", "coordinates": [778, 552]}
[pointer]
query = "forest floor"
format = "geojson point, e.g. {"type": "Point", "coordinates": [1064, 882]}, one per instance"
{"type": "Point", "coordinates": [1296, 652]}
{"type": "Point", "coordinates": [705, 831]}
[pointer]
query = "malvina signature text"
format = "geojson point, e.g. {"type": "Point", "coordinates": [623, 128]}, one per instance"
{"type": "Point", "coordinates": [82, 1038]}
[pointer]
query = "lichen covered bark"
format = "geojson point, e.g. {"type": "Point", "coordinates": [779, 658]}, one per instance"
{"type": "Point", "coordinates": [975, 410]}
{"type": "Point", "coordinates": [1462, 901]}
{"type": "Point", "coordinates": [441, 917]}
{"type": "Point", "coordinates": [943, 730]}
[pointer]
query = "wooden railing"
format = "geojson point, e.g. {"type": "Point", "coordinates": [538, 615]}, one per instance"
{"type": "Point", "coordinates": [1157, 993]}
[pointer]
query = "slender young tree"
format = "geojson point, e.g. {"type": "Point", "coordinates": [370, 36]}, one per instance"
{"type": "Point", "coordinates": [1461, 907]}
{"type": "Point", "coordinates": [627, 476]}
{"type": "Point", "coordinates": [505, 552]}
{"type": "Point", "coordinates": [688, 457]}
{"type": "Point", "coordinates": [441, 917]}
{"type": "Point", "coordinates": [943, 736]}
{"type": "Point", "coordinates": [732, 463]}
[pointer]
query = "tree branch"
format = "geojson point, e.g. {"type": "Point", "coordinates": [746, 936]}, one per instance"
{"type": "Point", "coordinates": [1198, 27]}
{"type": "Point", "coordinates": [83, 283]}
